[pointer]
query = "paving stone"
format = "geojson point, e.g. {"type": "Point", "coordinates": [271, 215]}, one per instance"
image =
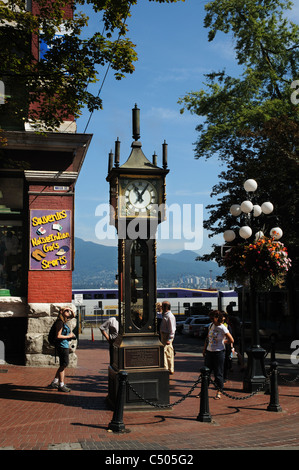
{"type": "Point", "coordinates": [35, 417]}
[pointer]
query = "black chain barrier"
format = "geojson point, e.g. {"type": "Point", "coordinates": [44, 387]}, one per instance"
{"type": "Point", "coordinates": [271, 380]}
{"type": "Point", "coordinates": [284, 379]}
{"type": "Point", "coordinates": [233, 397]}
{"type": "Point", "coordinates": [170, 405]}
{"type": "Point", "coordinates": [158, 405]}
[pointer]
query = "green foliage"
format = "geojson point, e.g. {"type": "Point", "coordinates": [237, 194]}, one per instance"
{"type": "Point", "coordinates": [55, 87]}
{"type": "Point", "coordinates": [249, 121]}
{"type": "Point", "coordinates": [267, 49]}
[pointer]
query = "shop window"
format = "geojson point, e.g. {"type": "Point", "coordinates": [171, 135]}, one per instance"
{"type": "Point", "coordinates": [12, 240]}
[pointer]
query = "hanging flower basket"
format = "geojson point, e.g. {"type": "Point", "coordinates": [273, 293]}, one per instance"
{"type": "Point", "coordinates": [266, 261]}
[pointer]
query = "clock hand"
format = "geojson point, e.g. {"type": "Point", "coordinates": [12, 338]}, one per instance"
{"type": "Point", "coordinates": [137, 192]}
{"type": "Point", "coordinates": [144, 191]}
{"type": "Point", "coordinates": [140, 198]}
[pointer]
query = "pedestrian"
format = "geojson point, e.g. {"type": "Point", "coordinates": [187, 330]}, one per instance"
{"type": "Point", "coordinates": [235, 324]}
{"type": "Point", "coordinates": [167, 330]}
{"type": "Point", "coordinates": [63, 337]}
{"type": "Point", "coordinates": [109, 330]}
{"type": "Point", "coordinates": [214, 349]}
{"type": "Point", "coordinates": [159, 316]}
{"type": "Point", "coordinates": [228, 349]}
{"type": "Point", "coordinates": [137, 317]}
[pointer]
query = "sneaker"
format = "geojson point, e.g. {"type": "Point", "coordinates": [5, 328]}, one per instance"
{"type": "Point", "coordinates": [64, 388]}
{"type": "Point", "coordinates": [53, 385]}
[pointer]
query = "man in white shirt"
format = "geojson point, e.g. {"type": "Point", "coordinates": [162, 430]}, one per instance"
{"type": "Point", "coordinates": [109, 330]}
{"type": "Point", "coordinates": [167, 330]}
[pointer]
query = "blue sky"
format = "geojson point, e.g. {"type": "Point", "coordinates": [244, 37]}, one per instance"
{"type": "Point", "coordinates": [173, 56]}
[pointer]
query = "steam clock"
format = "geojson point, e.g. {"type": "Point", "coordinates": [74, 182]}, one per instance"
{"type": "Point", "coordinates": [137, 206]}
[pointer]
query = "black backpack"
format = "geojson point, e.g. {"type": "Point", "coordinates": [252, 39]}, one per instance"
{"type": "Point", "coordinates": [52, 334]}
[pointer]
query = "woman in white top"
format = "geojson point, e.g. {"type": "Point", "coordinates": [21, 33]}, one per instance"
{"type": "Point", "coordinates": [214, 349]}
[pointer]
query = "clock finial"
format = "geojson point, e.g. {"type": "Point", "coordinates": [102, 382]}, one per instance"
{"type": "Point", "coordinates": [110, 161]}
{"type": "Point", "coordinates": [164, 153]}
{"type": "Point", "coordinates": [117, 152]}
{"type": "Point", "coordinates": [136, 122]}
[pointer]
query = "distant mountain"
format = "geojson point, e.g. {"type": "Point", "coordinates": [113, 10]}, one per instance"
{"type": "Point", "coordinates": [91, 256]}
{"type": "Point", "coordinates": [96, 266]}
{"type": "Point", "coordinates": [184, 263]}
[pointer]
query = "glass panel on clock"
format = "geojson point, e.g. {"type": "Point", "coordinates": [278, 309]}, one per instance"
{"type": "Point", "coordinates": [139, 283]}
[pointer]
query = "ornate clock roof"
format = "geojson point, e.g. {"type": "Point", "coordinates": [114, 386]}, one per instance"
{"type": "Point", "coordinates": [137, 163]}
{"type": "Point", "coordinates": [137, 160]}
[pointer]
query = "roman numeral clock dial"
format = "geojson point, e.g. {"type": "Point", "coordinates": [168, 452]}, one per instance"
{"type": "Point", "coordinates": [140, 197]}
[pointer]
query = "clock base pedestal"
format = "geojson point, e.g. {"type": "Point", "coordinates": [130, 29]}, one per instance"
{"type": "Point", "coordinates": [142, 358]}
{"type": "Point", "coordinates": [150, 384]}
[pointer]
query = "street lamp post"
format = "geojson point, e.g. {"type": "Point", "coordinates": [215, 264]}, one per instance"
{"type": "Point", "coordinates": [255, 374]}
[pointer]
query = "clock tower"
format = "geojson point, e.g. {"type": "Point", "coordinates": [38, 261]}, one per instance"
{"type": "Point", "coordinates": [137, 206]}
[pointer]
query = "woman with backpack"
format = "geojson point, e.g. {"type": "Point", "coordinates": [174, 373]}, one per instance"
{"type": "Point", "coordinates": [63, 336]}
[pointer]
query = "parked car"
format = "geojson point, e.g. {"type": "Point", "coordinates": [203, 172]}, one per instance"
{"type": "Point", "coordinates": [195, 323]}
{"type": "Point", "coordinates": [180, 324]}
{"type": "Point", "coordinates": [202, 330]}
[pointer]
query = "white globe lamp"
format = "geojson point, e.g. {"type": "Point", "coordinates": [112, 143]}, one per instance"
{"type": "Point", "coordinates": [246, 206]}
{"type": "Point", "coordinates": [250, 185]}
{"type": "Point", "coordinates": [259, 235]}
{"type": "Point", "coordinates": [229, 235]}
{"type": "Point", "coordinates": [257, 210]}
{"type": "Point", "coordinates": [267, 207]}
{"type": "Point", "coordinates": [276, 233]}
{"type": "Point", "coordinates": [245, 232]}
{"type": "Point", "coordinates": [235, 210]}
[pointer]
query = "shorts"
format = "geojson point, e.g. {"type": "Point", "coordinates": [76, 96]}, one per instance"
{"type": "Point", "coordinates": [63, 354]}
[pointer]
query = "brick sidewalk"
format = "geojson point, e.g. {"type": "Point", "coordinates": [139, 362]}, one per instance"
{"type": "Point", "coordinates": [34, 417]}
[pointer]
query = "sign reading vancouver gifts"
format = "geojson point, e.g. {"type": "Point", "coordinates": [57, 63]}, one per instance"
{"type": "Point", "coordinates": [50, 239]}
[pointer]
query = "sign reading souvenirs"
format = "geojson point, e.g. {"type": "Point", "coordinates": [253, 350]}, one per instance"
{"type": "Point", "coordinates": [50, 239]}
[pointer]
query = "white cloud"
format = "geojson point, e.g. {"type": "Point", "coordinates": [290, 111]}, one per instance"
{"type": "Point", "coordinates": [190, 193]}
{"type": "Point", "coordinates": [293, 14]}
{"type": "Point", "coordinates": [162, 113]}
{"type": "Point", "coordinates": [224, 48]}
{"type": "Point", "coordinates": [182, 74]}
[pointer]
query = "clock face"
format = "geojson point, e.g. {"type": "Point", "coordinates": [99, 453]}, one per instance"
{"type": "Point", "coordinates": [140, 196]}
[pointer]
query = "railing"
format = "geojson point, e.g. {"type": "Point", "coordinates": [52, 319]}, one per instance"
{"type": "Point", "coordinates": [271, 382]}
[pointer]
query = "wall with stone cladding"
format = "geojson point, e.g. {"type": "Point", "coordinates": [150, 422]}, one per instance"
{"type": "Point", "coordinates": [38, 350]}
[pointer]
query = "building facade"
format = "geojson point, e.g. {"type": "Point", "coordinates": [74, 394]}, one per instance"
{"type": "Point", "coordinates": [38, 174]}
{"type": "Point", "coordinates": [36, 239]}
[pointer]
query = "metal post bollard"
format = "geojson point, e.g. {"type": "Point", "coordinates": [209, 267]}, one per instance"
{"type": "Point", "coordinates": [273, 348]}
{"type": "Point", "coordinates": [117, 424]}
{"type": "Point", "coordinates": [274, 401]}
{"type": "Point", "coordinates": [204, 411]}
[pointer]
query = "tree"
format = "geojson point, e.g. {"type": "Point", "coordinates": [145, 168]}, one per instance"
{"type": "Point", "coordinates": [251, 123]}
{"type": "Point", "coordinates": [53, 87]}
